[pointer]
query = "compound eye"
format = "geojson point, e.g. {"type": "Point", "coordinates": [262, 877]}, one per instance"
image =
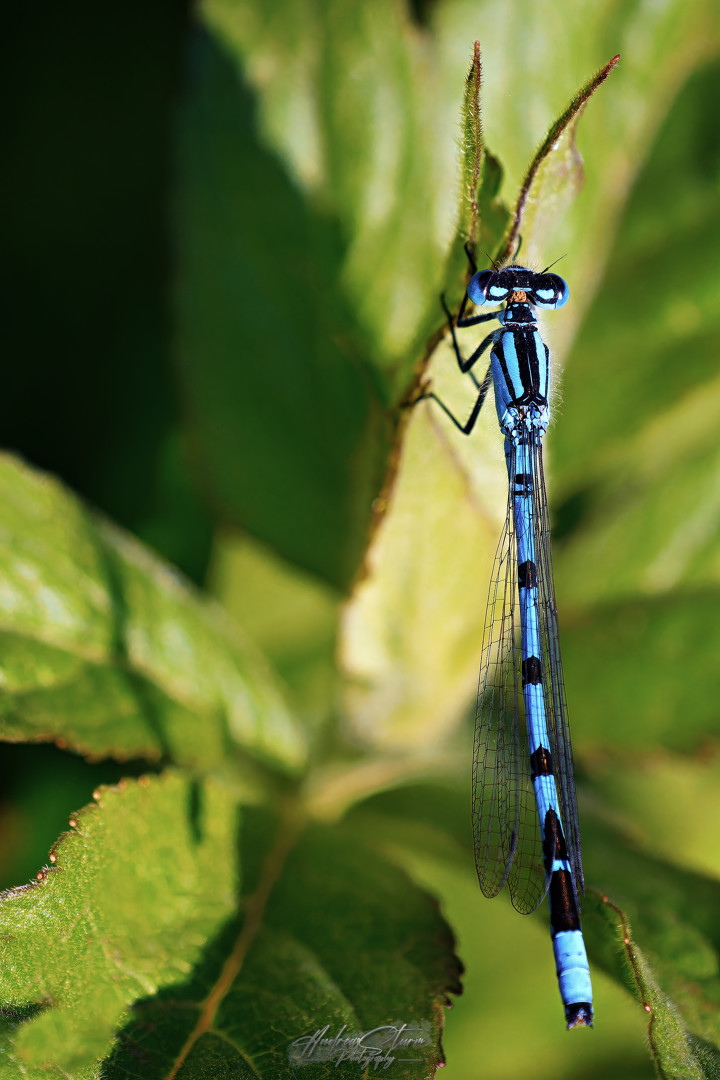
{"type": "Point", "coordinates": [478, 286]}
{"type": "Point", "coordinates": [550, 291]}
{"type": "Point", "coordinates": [484, 288]}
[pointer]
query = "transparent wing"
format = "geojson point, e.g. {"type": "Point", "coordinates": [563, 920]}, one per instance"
{"type": "Point", "coordinates": [553, 680]}
{"type": "Point", "coordinates": [507, 838]}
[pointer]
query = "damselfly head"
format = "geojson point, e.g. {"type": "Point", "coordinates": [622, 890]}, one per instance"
{"type": "Point", "coordinates": [506, 286]}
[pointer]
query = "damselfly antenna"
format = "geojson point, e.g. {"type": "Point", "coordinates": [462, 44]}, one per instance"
{"type": "Point", "coordinates": [553, 264]}
{"type": "Point", "coordinates": [496, 268]}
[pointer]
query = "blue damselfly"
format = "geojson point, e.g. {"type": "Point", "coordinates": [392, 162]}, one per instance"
{"type": "Point", "coordinates": [524, 809]}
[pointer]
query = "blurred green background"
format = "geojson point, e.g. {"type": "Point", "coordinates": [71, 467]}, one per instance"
{"type": "Point", "coordinates": [225, 234]}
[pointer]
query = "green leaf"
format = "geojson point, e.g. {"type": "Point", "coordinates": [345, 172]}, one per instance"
{"type": "Point", "coordinates": [283, 416]}
{"type": "Point", "coordinates": [133, 913]}
{"type": "Point", "coordinates": [287, 363]}
{"type": "Point", "coordinates": [555, 175]}
{"type": "Point", "coordinates": [321, 920]}
{"type": "Point", "coordinates": [107, 651]}
{"type": "Point", "coordinates": [135, 891]}
{"type": "Point", "coordinates": [483, 217]}
{"type": "Point", "coordinates": [676, 1053]}
{"type": "Point", "coordinates": [473, 152]}
{"type": "Point", "coordinates": [671, 959]}
{"type": "Point", "coordinates": [361, 109]}
{"type": "Point", "coordinates": [427, 568]}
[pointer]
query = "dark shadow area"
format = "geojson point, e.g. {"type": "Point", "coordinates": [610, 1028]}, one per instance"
{"type": "Point", "coordinates": [570, 514]}
{"type": "Point", "coordinates": [87, 261]}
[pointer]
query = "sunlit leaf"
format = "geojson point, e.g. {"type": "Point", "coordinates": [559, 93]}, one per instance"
{"type": "Point", "coordinates": [109, 652]}
{"type": "Point", "coordinates": [134, 892]}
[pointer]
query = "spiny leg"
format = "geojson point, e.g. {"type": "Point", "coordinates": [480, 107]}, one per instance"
{"type": "Point", "coordinates": [469, 424]}
{"type": "Point", "coordinates": [467, 365]}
